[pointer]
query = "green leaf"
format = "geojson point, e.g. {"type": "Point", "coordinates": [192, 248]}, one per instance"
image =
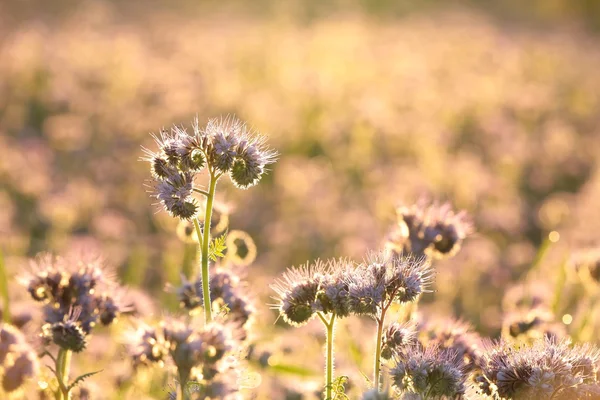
{"type": "Point", "coordinates": [292, 370]}
{"type": "Point", "coordinates": [217, 247]}
{"type": "Point", "coordinates": [339, 388]}
{"type": "Point", "coordinates": [81, 378]}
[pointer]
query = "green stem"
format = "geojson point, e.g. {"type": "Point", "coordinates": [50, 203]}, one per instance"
{"type": "Point", "coordinates": [204, 239]}
{"type": "Point", "coordinates": [377, 368]}
{"type": "Point", "coordinates": [183, 383]}
{"type": "Point", "coordinates": [329, 325]}
{"type": "Point", "coordinates": [63, 367]}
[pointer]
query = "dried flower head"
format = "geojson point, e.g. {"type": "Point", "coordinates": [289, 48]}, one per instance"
{"type": "Point", "coordinates": [548, 369]}
{"type": "Point", "coordinates": [383, 279]}
{"type": "Point", "coordinates": [312, 288]}
{"type": "Point", "coordinates": [430, 373]}
{"type": "Point", "coordinates": [429, 229]}
{"type": "Point", "coordinates": [18, 361]}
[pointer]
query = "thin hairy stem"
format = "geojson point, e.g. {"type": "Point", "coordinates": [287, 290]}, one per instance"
{"type": "Point", "coordinates": [377, 367]}
{"type": "Point", "coordinates": [204, 241]}
{"type": "Point", "coordinates": [329, 325]}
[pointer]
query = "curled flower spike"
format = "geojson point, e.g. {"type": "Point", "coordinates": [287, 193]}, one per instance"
{"type": "Point", "coordinates": [548, 369]}
{"type": "Point", "coordinates": [67, 334]}
{"type": "Point", "coordinates": [397, 338]}
{"type": "Point", "coordinates": [384, 279]}
{"type": "Point", "coordinates": [425, 229]}
{"type": "Point", "coordinates": [429, 373]}
{"type": "Point", "coordinates": [312, 288]}
{"type": "Point", "coordinates": [225, 146]}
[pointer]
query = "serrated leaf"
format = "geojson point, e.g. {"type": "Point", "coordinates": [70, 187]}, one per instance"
{"type": "Point", "coordinates": [81, 378]}
{"type": "Point", "coordinates": [217, 247]}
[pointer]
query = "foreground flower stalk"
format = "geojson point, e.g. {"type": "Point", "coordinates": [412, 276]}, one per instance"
{"type": "Point", "coordinates": [329, 327]}
{"type": "Point", "coordinates": [316, 289]}
{"type": "Point", "coordinates": [224, 146]}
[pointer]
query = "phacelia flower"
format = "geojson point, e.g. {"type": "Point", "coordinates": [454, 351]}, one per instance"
{"type": "Point", "coordinates": [548, 369]}
{"type": "Point", "coordinates": [225, 146]}
{"type": "Point", "coordinates": [312, 288]}
{"type": "Point", "coordinates": [430, 373]}
{"type": "Point", "coordinates": [383, 279]}
{"type": "Point", "coordinates": [77, 293]}
{"type": "Point", "coordinates": [228, 294]}
{"type": "Point", "coordinates": [425, 229]}
{"type": "Point", "coordinates": [204, 355]}
{"type": "Point", "coordinates": [453, 335]}
{"type": "Point", "coordinates": [397, 338]}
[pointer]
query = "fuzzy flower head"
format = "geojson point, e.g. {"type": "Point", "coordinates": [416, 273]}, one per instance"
{"type": "Point", "coordinates": [18, 360]}
{"type": "Point", "coordinates": [383, 279]}
{"type": "Point", "coordinates": [83, 283]}
{"type": "Point", "coordinates": [397, 338]}
{"type": "Point", "coordinates": [454, 335]}
{"type": "Point", "coordinates": [204, 354]}
{"type": "Point", "coordinates": [429, 373]}
{"type": "Point", "coordinates": [429, 229]}
{"type": "Point", "coordinates": [224, 146]}
{"type": "Point", "coordinates": [548, 369]}
{"type": "Point", "coordinates": [67, 334]}
{"type": "Point", "coordinates": [229, 296]}
{"type": "Point", "coordinates": [319, 287]}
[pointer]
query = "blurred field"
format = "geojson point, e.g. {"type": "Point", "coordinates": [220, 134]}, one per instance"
{"type": "Point", "coordinates": [500, 118]}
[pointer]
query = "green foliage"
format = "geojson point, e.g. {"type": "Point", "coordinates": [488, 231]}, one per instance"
{"type": "Point", "coordinates": [81, 378]}
{"type": "Point", "coordinates": [339, 388]}
{"type": "Point", "coordinates": [217, 247]}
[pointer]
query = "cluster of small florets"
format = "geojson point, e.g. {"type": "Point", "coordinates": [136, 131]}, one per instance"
{"type": "Point", "coordinates": [224, 146]}
{"type": "Point", "coordinates": [397, 338]}
{"type": "Point", "coordinates": [548, 369]}
{"type": "Point", "coordinates": [383, 279]}
{"type": "Point", "coordinates": [430, 230]}
{"type": "Point", "coordinates": [456, 336]}
{"type": "Point", "coordinates": [319, 287]}
{"type": "Point", "coordinates": [18, 361]}
{"type": "Point", "coordinates": [430, 373]}
{"type": "Point", "coordinates": [77, 294]}
{"type": "Point", "coordinates": [228, 295]}
{"type": "Point", "coordinates": [204, 356]}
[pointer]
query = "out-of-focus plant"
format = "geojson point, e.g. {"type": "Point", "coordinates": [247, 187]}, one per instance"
{"type": "Point", "coordinates": [77, 293]}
